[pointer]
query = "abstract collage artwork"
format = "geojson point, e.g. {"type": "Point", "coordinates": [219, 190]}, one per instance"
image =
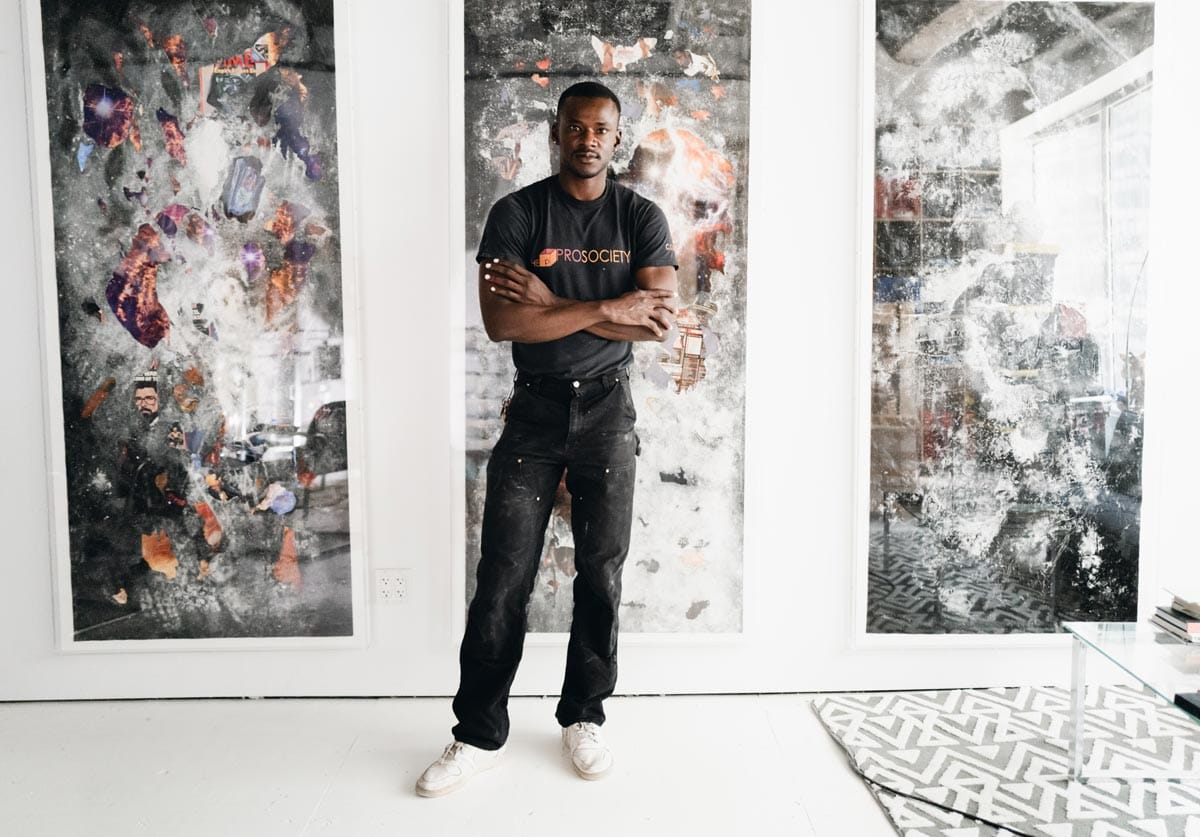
{"type": "Point", "coordinates": [1011, 208]}
{"type": "Point", "coordinates": [682, 73]}
{"type": "Point", "coordinates": [197, 321]}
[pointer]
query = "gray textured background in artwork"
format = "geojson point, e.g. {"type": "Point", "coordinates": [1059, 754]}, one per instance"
{"type": "Point", "coordinates": [682, 71]}
{"type": "Point", "coordinates": [1011, 219]}
{"type": "Point", "coordinates": [194, 178]}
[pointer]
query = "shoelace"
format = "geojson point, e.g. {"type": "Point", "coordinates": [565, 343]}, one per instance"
{"type": "Point", "coordinates": [451, 752]}
{"type": "Point", "coordinates": [586, 732]}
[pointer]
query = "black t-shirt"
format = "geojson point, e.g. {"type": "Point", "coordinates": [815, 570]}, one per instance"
{"type": "Point", "coordinates": [583, 250]}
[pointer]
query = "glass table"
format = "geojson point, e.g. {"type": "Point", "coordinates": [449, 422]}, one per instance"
{"type": "Point", "coordinates": [1162, 663]}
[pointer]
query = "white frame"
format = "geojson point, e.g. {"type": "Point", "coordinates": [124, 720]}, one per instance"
{"type": "Point", "coordinates": [457, 355]}
{"type": "Point", "coordinates": [46, 268]}
{"type": "Point", "coordinates": [860, 638]}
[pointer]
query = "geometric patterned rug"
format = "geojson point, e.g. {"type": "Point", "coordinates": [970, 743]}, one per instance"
{"type": "Point", "coordinates": [983, 762]}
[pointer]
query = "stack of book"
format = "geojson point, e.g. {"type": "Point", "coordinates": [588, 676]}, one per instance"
{"type": "Point", "coordinates": [1179, 619]}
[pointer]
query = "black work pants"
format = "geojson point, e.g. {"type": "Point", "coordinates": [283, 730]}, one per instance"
{"type": "Point", "coordinates": [588, 430]}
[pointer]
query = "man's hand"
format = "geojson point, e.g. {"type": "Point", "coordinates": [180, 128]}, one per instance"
{"type": "Point", "coordinates": [650, 309]}
{"type": "Point", "coordinates": [512, 282]}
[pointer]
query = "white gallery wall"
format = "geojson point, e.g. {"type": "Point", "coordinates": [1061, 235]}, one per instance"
{"type": "Point", "coordinates": [801, 442]}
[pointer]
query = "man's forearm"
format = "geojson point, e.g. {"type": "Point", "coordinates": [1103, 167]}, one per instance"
{"type": "Point", "coordinates": [543, 323]}
{"type": "Point", "coordinates": [630, 334]}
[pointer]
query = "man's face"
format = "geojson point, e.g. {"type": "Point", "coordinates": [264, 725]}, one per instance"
{"type": "Point", "coordinates": [587, 134]}
{"type": "Point", "coordinates": [145, 400]}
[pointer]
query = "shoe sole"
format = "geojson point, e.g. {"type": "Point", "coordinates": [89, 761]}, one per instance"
{"type": "Point", "coordinates": [433, 794]}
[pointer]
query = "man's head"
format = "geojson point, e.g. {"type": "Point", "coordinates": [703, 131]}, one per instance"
{"type": "Point", "coordinates": [145, 400]}
{"type": "Point", "coordinates": [587, 129]}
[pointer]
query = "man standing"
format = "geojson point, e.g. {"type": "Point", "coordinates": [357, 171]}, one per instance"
{"type": "Point", "coordinates": [573, 268]}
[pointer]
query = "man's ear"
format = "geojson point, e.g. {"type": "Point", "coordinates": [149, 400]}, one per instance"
{"type": "Point", "coordinates": [618, 142]}
{"type": "Point", "coordinates": [554, 131]}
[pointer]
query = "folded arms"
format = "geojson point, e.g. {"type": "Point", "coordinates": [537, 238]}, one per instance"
{"type": "Point", "coordinates": [517, 306]}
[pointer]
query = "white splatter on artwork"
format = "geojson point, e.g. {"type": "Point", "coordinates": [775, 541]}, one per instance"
{"type": "Point", "coordinates": [685, 138]}
{"type": "Point", "coordinates": [1011, 214]}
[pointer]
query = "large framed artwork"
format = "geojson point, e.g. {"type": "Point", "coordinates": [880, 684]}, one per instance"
{"type": "Point", "coordinates": [199, 323]}
{"type": "Point", "coordinates": [1007, 183]}
{"type": "Point", "coordinates": [682, 72]}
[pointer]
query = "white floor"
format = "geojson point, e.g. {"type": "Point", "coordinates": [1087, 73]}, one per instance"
{"type": "Point", "coordinates": [696, 766]}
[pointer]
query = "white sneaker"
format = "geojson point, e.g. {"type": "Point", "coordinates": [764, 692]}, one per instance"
{"type": "Point", "coordinates": [458, 763]}
{"type": "Point", "coordinates": [590, 756]}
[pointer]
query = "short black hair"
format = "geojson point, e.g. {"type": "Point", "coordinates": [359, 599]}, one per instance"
{"type": "Point", "coordinates": [589, 90]}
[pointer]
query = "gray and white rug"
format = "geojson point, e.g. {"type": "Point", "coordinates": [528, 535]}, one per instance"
{"type": "Point", "coordinates": [1001, 755]}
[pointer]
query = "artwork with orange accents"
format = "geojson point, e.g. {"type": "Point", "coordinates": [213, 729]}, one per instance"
{"type": "Point", "coordinates": [682, 74]}
{"type": "Point", "coordinates": [198, 289]}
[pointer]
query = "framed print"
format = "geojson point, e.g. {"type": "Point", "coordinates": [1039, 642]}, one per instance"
{"type": "Point", "coordinates": [1006, 189]}
{"type": "Point", "coordinates": [682, 74]}
{"type": "Point", "coordinates": [199, 323]}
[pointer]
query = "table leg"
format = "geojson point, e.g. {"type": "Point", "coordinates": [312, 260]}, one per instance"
{"type": "Point", "coordinates": [1078, 688]}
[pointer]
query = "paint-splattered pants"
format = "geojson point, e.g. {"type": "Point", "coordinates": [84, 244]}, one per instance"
{"type": "Point", "coordinates": [589, 432]}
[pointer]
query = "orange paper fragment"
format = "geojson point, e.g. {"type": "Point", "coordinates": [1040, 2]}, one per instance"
{"type": "Point", "coordinates": [156, 551]}
{"type": "Point", "coordinates": [212, 526]}
{"type": "Point", "coordinates": [176, 52]}
{"type": "Point", "coordinates": [287, 568]}
{"type": "Point", "coordinates": [542, 80]}
{"type": "Point", "coordinates": [98, 396]}
{"type": "Point", "coordinates": [284, 225]}
{"type": "Point", "coordinates": [283, 289]}
{"type": "Point", "coordinates": [186, 401]}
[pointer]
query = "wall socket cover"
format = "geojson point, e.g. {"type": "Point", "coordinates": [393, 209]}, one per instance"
{"type": "Point", "coordinates": [391, 585]}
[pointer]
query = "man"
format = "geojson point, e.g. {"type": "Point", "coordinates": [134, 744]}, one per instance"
{"type": "Point", "coordinates": [134, 457]}
{"type": "Point", "coordinates": [135, 478]}
{"type": "Point", "coordinates": [573, 268]}
{"type": "Point", "coordinates": [145, 397]}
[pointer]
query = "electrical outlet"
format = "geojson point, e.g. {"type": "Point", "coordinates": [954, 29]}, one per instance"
{"type": "Point", "coordinates": [391, 585]}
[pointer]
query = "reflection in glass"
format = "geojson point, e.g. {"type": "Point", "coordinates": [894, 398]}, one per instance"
{"type": "Point", "coordinates": [1008, 319]}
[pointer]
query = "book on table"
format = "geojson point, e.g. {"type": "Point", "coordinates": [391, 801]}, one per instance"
{"type": "Point", "coordinates": [1180, 619]}
{"type": "Point", "coordinates": [1169, 628]}
{"type": "Point", "coordinates": [1186, 605]}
